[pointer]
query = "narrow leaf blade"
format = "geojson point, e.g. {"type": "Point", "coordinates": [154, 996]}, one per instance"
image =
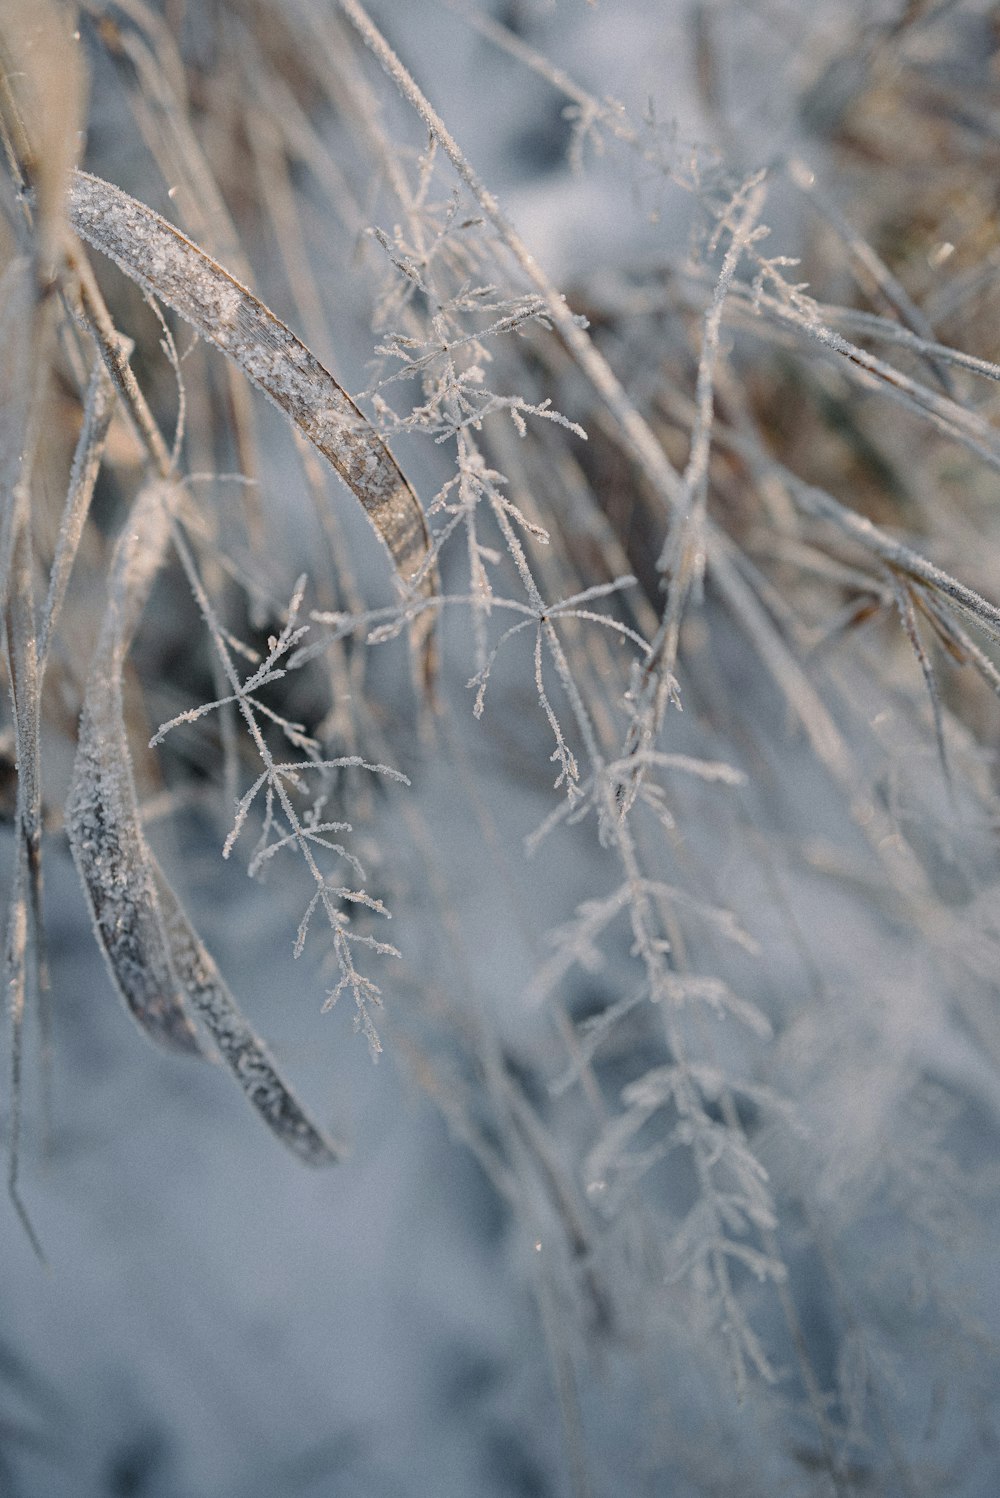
{"type": "Point", "coordinates": [102, 813]}
{"type": "Point", "coordinates": [162, 260]}
{"type": "Point", "coordinates": [240, 1047]}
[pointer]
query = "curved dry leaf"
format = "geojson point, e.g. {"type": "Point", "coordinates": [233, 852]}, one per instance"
{"type": "Point", "coordinates": [102, 812]}
{"type": "Point", "coordinates": [169, 266]}
{"type": "Point", "coordinates": [157, 960]}
{"type": "Point", "coordinates": [240, 1047]}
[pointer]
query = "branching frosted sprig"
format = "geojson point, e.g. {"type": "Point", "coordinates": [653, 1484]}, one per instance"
{"type": "Point", "coordinates": [541, 617]}
{"type": "Point", "coordinates": [683, 989]}
{"type": "Point", "coordinates": [452, 367]}
{"type": "Point", "coordinates": [461, 401]}
{"type": "Point", "coordinates": [735, 1199]}
{"type": "Point", "coordinates": [267, 672]}
{"type": "Point", "coordinates": [437, 235]}
{"type": "Point", "coordinates": [474, 485]}
{"type": "Point", "coordinates": [417, 356]}
{"type": "Point", "coordinates": [684, 555]}
{"type": "Point", "coordinates": [735, 1205]}
{"type": "Point", "coordinates": [459, 501]}
{"type": "Point", "coordinates": [382, 625]}
{"type": "Point", "coordinates": [596, 789]}
{"type": "Point", "coordinates": [366, 994]}
{"type": "Point", "coordinates": [447, 348]}
{"type": "Point", "coordinates": [307, 833]}
{"type": "Point", "coordinates": [578, 943]}
{"type": "Point", "coordinates": [648, 903]}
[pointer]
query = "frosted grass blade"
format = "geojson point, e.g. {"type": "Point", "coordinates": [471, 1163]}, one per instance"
{"type": "Point", "coordinates": [171, 267]}
{"type": "Point", "coordinates": [158, 962]}
{"type": "Point", "coordinates": [240, 1047]}
{"type": "Point", "coordinates": [102, 813]}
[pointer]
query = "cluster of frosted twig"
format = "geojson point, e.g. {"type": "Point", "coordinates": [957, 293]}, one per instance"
{"type": "Point", "coordinates": [734, 1203]}
{"type": "Point", "coordinates": [735, 1218]}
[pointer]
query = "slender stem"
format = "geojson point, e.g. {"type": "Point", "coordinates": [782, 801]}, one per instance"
{"type": "Point", "coordinates": [639, 438]}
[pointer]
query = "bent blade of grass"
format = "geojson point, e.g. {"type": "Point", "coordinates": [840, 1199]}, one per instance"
{"type": "Point", "coordinates": [102, 812]}
{"type": "Point", "coordinates": [171, 267]}
{"type": "Point", "coordinates": [240, 1047]}
{"type": "Point", "coordinates": [157, 960]}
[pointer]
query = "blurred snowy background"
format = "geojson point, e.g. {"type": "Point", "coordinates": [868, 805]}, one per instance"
{"type": "Point", "coordinates": [512, 1288]}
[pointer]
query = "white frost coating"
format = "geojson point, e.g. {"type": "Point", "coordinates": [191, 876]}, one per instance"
{"type": "Point", "coordinates": [228, 303]}
{"type": "Point", "coordinates": [241, 1049]}
{"type": "Point", "coordinates": [102, 818]}
{"type": "Point", "coordinates": [171, 267]}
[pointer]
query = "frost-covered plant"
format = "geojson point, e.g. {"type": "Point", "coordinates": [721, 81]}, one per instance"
{"type": "Point", "coordinates": [705, 536]}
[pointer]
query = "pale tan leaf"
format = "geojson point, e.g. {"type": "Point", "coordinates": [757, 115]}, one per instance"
{"type": "Point", "coordinates": [41, 99]}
